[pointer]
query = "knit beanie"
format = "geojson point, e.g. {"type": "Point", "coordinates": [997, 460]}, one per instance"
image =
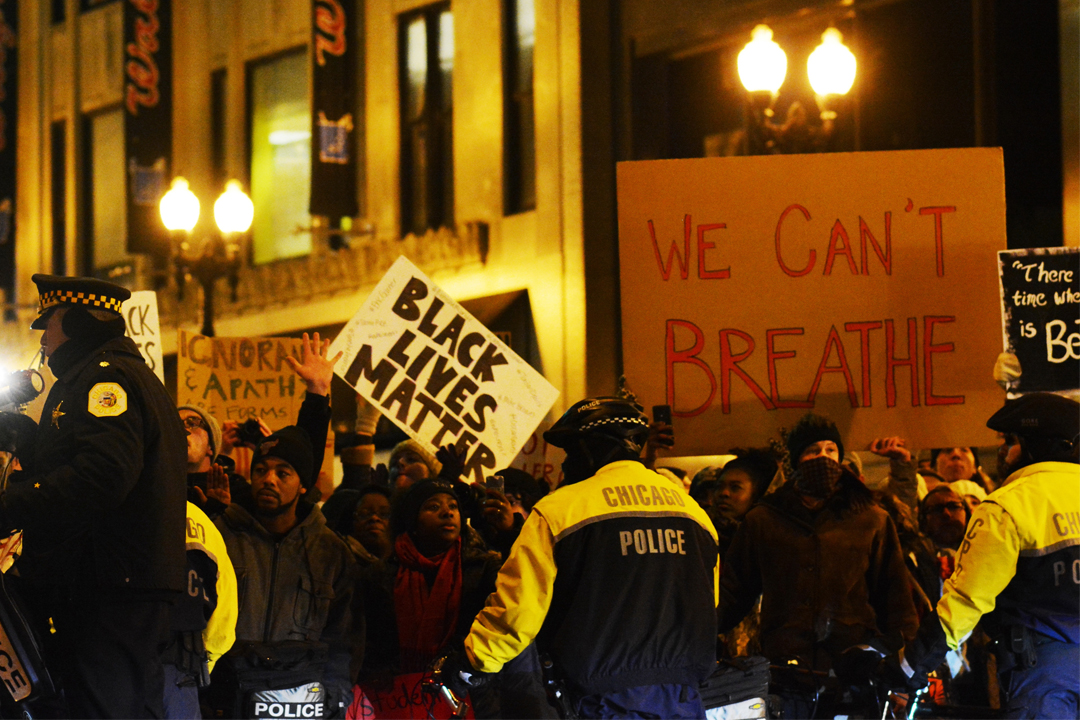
{"type": "Point", "coordinates": [213, 428]}
{"type": "Point", "coordinates": [292, 445]}
{"type": "Point", "coordinates": [407, 506]}
{"type": "Point", "coordinates": [809, 430]}
{"type": "Point", "coordinates": [434, 466]}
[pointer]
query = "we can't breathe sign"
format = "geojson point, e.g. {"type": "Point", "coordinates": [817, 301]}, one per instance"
{"type": "Point", "coordinates": [439, 374]}
{"type": "Point", "coordinates": [861, 286]}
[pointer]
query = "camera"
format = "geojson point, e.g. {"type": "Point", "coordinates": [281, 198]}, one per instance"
{"type": "Point", "coordinates": [250, 432]}
{"type": "Point", "coordinates": [20, 388]}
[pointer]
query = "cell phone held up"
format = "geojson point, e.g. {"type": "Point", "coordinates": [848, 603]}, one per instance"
{"type": "Point", "coordinates": [661, 414]}
{"type": "Point", "coordinates": [250, 432]}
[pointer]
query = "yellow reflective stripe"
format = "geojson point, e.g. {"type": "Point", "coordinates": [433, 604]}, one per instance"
{"type": "Point", "coordinates": [985, 566]}
{"type": "Point", "coordinates": [624, 514]}
{"type": "Point", "coordinates": [514, 613]}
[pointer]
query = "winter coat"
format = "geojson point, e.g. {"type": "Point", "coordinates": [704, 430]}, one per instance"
{"type": "Point", "coordinates": [479, 567]}
{"type": "Point", "coordinates": [298, 587]}
{"type": "Point", "coordinates": [102, 496]}
{"type": "Point", "coordinates": [829, 579]}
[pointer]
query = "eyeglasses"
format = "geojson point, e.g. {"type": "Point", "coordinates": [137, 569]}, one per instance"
{"type": "Point", "coordinates": [950, 506]}
{"type": "Point", "coordinates": [191, 422]}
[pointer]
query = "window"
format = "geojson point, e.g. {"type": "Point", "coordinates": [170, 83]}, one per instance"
{"type": "Point", "coordinates": [217, 129]}
{"type": "Point", "coordinates": [519, 130]}
{"type": "Point", "coordinates": [106, 192]}
{"type": "Point", "coordinates": [426, 43]}
{"type": "Point", "coordinates": [58, 195]}
{"type": "Point", "coordinates": [280, 137]}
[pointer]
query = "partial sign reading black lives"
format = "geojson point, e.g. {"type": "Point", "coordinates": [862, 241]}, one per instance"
{"type": "Point", "coordinates": [1040, 309]}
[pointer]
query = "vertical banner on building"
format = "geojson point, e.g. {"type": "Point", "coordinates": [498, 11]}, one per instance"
{"type": "Point", "coordinates": [334, 43]}
{"type": "Point", "coordinates": [9, 99]}
{"type": "Point", "coordinates": [147, 120]}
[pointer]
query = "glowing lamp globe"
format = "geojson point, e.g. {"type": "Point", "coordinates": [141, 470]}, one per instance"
{"type": "Point", "coordinates": [762, 63]}
{"type": "Point", "coordinates": [179, 207]}
{"type": "Point", "coordinates": [233, 211]}
{"type": "Point", "coordinates": [831, 66]}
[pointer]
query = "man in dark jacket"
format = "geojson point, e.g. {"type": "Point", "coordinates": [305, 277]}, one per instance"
{"type": "Point", "coordinates": [296, 585]}
{"type": "Point", "coordinates": [101, 502]}
{"type": "Point", "coordinates": [825, 560]}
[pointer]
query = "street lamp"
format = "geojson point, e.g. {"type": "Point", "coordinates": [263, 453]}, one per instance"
{"type": "Point", "coordinates": [220, 253]}
{"type": "Point", "coordinates": [762, 66]}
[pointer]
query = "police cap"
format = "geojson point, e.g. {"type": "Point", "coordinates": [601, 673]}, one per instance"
{"type": "Point", "coordinates": [1040, 414]}
{"type": "Point", "coordinates": [58, 290]}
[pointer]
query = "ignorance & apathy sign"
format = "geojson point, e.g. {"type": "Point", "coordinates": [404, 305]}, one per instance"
{"type": "Point", "coordinates": [861, 286]}
{"type": "Point", "coordinates": [439, 374]}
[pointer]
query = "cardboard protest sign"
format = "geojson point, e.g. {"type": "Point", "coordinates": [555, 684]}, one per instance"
{"type": "Point", "coordinates": [1040, 316]}
{"type": "Point", "coordinates": [141, 315]}
{"type": "Point", "coordinates": [439, 374]}
{"type": "Point", "coordinates": [854, 285]}
{"type": "Point", "coordinates": [239, 378]}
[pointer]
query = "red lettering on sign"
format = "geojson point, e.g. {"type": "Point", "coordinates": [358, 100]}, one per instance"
{"type": "Point", "coordinates": [690, 355]}
{"type": "Point", "coordinates": [702, 246]}
{"type": "Point", "coordinates": [891, 362]}
{"type": "Point", "coordinates": [329, 30]}
{"type": "Point", "coordinates": [729, 363]}
{"type": "Point", "coordinates": [771, 356]}
{"type": "Point", "coordinates": [865, 234]}
{"type": "Point", "coordinates": [864, 328]}
{"type": "Point", "coordinates": [937, 212]}
{"type": "Point", "coordinates": [929, 348]}
{"type": "Point", "coordinates": [833, 341]}
{"type": "Point", "coordinates": [838, 232]}
{"type": "Point", "coordinates": [673, 251]}
{"type": "Point", "coordinates": [141, 68]}
{"type": "Point", "coordinates": [779, 258]}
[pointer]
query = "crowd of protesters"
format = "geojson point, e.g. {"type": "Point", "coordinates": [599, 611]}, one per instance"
{"type": "Point", "coordinates": [297, 605]}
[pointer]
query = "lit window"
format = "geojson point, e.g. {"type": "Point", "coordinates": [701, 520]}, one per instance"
{"type": "Point", "coordinates": [519, 130]}
{"type": "Point", "coordinates": [108, 210]}
{"type": "Point", "coordinates": [280, 157]}
{"type": "Point", "coordinates": [426, 40]}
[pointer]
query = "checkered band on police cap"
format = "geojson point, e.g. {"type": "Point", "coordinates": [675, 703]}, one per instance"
{"type": "Point", "coordinates": [58, 290]}
{"type": "Point", "coordinates": [615, 421]}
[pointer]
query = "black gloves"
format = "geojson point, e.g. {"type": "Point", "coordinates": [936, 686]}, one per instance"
{"type": "Point", "coordinates": [909, 668]}
{"type": "Point", "coordinates": [17, 433]}
{"type": "Point", "coordinates": [457, 673]}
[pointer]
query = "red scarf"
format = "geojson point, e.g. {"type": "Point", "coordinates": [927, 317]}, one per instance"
{"type": "Point", "coordinates": [426, 618]}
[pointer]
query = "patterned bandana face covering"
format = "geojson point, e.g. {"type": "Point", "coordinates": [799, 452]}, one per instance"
{"type": "Point", "coordinates": [817, 478]}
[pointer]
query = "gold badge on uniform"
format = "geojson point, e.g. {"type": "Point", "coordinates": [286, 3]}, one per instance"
{"type": "Point", "coordinates": [107, 400]}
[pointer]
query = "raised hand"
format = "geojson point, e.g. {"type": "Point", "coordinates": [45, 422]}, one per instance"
{"type": "Point", "coordinates": [314, 368]}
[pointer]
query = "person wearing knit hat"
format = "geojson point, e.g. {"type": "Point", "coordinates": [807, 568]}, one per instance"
{"type": "Point", "coordinates": [813, 434]}
{"type": "Point", "coordinates": [203, 437]}
{"type": "Point", "coordinates": [410, 462]}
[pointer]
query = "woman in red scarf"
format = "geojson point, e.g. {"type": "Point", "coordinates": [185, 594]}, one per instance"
{"type": "Point", "coordinates": [421, 604]}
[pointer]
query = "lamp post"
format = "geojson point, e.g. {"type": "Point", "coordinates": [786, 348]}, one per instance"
{"type": "Point", "coordinates": [220, 253]}
{"type": "Point", "coordinates": [762, 68]}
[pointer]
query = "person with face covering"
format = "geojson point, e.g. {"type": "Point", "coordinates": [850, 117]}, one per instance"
{"type": "Point", "coordinates": [827, 563]}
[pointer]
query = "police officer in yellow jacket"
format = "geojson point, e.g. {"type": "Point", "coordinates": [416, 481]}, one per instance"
{"type": "Point", "coordinates": [1019, 567]}
{"type": "Point", "coordinates": [614, 575]}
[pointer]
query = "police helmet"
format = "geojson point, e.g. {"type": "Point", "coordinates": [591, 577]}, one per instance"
{"type": "Point", "coordinates": [1039, 415]}
{"type": "Point", "coordinates": [601, 417]}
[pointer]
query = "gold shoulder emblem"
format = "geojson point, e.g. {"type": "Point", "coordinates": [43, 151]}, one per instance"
{"type": "Point", "coordinates": [107, 399]}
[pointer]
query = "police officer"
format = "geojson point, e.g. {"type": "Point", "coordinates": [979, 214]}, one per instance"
{"type": "Point", "coordinates": [614, 575]}
{"type": "Point", "coordinates": [1019, 565]}
{"type": "Point", "coordinates": [101, 502]}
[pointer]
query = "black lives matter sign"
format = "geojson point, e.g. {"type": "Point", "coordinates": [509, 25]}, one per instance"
{"type": "Point", "coordinates": [1040, 310]}
{"type": "Point", "coordinates": [439, 374]}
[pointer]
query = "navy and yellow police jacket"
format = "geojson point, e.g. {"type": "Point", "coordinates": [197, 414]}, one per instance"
{"type": "Point", "coordinates": [616, 577]}
{"type": "Point", "coordinates": [1020, 559]}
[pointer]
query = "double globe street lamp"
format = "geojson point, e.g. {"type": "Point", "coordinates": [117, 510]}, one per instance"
{"type": "Point", "coordinates": [220, 253]}
{"type": "Point", "coordinates": [762, 66]}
